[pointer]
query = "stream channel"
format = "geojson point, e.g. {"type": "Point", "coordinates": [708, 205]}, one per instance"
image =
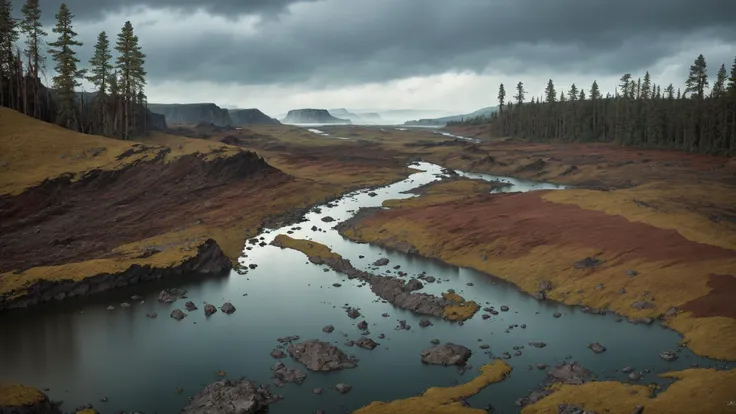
{"type": "Point", "coordinates": [82, 352]}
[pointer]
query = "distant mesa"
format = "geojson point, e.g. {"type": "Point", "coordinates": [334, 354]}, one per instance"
{"type": "Point", "coordinates": [370, 116]}
{"type": "Point", "coordinates": [312, 116]}
{"type": "Point", "coordinates": [487, 111]}
{"type": "Point", "coordinates": [209, 113]}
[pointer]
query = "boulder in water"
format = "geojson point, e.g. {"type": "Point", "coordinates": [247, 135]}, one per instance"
{"type": "Point", "coordinates": [447, 354]}
{"type": "Point", "coordinates": [231, 397]}
{"type": "Point", "coordinates": [320, 356]}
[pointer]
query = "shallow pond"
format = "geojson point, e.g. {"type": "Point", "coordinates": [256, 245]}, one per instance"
{"type": "Point", "coordinates": [83, 352]}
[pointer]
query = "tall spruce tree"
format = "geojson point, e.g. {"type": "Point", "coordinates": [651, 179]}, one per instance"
{"type": "Point", "coordinates": [646, 87]}
{"type": "Point", "coordinates": [501, 97]}
{"type": "Point", "coordinates": [67, 75]}
{"type": "Point", "coordinates": [33, 29]}
{"type": "Point", "coordinates": [719, 86]}
{"type": "Point", "coordinates": [520, 93]}
{"type": "Point", "coordinates": [99, 73]}
{"type": "Point", "coordinates": [595, 92]}
{"type": "Point", "coordinates": [550, 93]}
{"type": "Point", "coordinates": [625, 85]}
{"type": "Point", "coordinates": [732, 80]}
{"type": "Point", "coordinates": [697, 80]}
{"type": "Point", "coordinates": [8, 37]}
{"type": "Point", "coordinates": [573, 92]}
{"type": "Point", "coordinates": [130, 67]}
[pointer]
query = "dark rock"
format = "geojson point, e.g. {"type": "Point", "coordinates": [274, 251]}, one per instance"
{"type": "Point", "coordinates": [435, 342]}
{"type": "Point", "coordinates": [366, 343]}
{"type": "Point", "coordinates": [227, 307]}
{"type": "Point", "coordinates": [413, 285]}
{"type": "Point", "coordinates": [504, 308]}
{"type": "Point", "coordinates": [278, 354]}
{"type": "Point", "coordinates": [353, 313]}
{"type": "Point", "coordinates": [484, 346]}
{"type": "Point", "coordinates": [668, 355]}
{"type": "Point", "coordinates": [286, 374]}
{"type": "Point", "coordinates": [425, 323]}
{"type": "Point", "coordinates": [190, 306]}
{"type": "Point", "coordinates": [320, 356]}
{"type": "Point", "coordinates": [125, 305]}
{"type": "Point", "coordinates": [328, 219]}
{"type": "Point", "coordinates": [209, 309]}
{"type": "Point", "coordinates": [588, 262]}
{"type": "Point", "coordinates": [631, 273]}
{"type": "Point", "coordinates": [381, 262]}
{"type": "Point", "coordinates": [642, 305]}
{"type": "Point", "coordinates": [362, 325]}
{"type": "Point", "coordinates": [328, 329]}
{"type": "Point", "coordinates": [541, 366]}
{"type": "Point", "coordinates": [334, 284]}
{"type": "Point", "coordinates": [318, 391]}
{"type": "Point", "coordinates": [178, 314]}
{"type": "Point", "coordinates": [537, 344]}
{"type": "Point", "coordinates": [381, 336]}
{"type": "Point", "coordinates": [171, 295]}
{"type": "Point", "coordinates": [231, 397]}
{"type": "Point", "coordinates": [556, 314]}
{"type": "Point", "coordinates": [597, 347]}
{"type": "Point", "coordinates": [349, 343]}
{"type": "Point", "coordinates": [485, 316]}
{"type": "Point", "coordinates": [343, 388]}
{"type": "Point", "coordinates": [572, 409]}
{"type": "Point", "coordinates": [429, 279]}
{"type": "Point", "coordinates": [152, 315]}
{"type": "Point", "coordinates": [627, 370]}
{"type": "Point", "coordinates": [447, 354]}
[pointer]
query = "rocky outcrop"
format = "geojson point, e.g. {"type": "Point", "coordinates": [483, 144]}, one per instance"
{"type": "Point", "coordinates": [447, 354]}
{"type": "Point", "coordinates": [252, 116]}
{"type": "Point", "coordinates": [312, 116]}
{"type": "Point", "coordinates": [231, 397]}
{"type": "Point", "coordinates": [209, 260]}
{"type": "Point", "coordinates": [320, 356]}
{"type": "Point", "coordinates": [20, 399]}
{"type": "Point", "coordinates": [568, 372]}
{"type": "Point", "coordinates": [192, 114]}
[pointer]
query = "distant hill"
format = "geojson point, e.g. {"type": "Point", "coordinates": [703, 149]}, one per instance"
{"type": "Point", "coordinates": [312, 116]}
{"type": "Point", "coordinates": [370, 116]}
{"type": "Point", "coordinates": [192, 114]}
{"type": "Point", "coordinates": [344, 114]}
{"type": "Point", "coordinates": [252, 116]}
{"type": "Point", "coordinates": [445, 119]}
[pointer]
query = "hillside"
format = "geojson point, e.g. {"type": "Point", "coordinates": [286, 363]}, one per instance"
{"type": "Point", "coordinates": [454, 118]}
{"type": "Point", "coordinates": [192, 114]}
{"type": "Point", "coordinates": [50, 229]}
{"type": "Point", "coordinates": [312, 116]}
{"type": "Point", "coordinates": [252, 116]}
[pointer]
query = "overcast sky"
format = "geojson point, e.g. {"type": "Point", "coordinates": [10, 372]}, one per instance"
{"type": "Point", "coordinates": [278, 55]}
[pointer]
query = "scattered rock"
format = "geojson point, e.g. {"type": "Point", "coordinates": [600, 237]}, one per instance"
{"type": "Point", "coordinates": [447, 354]}
{"type": "Point", "coordinates": [541, 366]}
{"type": "Point", "coordinates": [504, 308]}
{"type": "Point", "coordinates": [110, 308]}
{"type": "Point", "coordinates": [227, 396]}
{"type": "Point", "coordinates": [318, 391]}
{"type": "Point", "coordinates": [178, 314]}
{"type": "Point", "coordinates": [227, 307]}
{"type": "Point", "coordinates": [335, 284]}
{"type": "Point", "coordinates": [631, 273]}
{"type": "Point", "coordinates": [209, 309]}
{"type": "Point", "coordinates": [627, 370]}
{"type": "Point", "coordinates": [668, 355]}
{"type": "Point", "coordinates": [171, 295]}
{"type": "Point", "coordinates": [588, 262]}
{"type": "Point", "coordinates": [362, 325]}
{"type": "Point", "coordinates": [278, 354]}
{"type": "Point", "coordinates": [381, 262]}
{"type": "Point", "coordinates": [484, 346]}
{"type": "Point", "coordinates": [353, 313]}
{"type": "Point", "coordinates": [343, 388]}
{"type": "Point", "coordinates": [597, 347]}
{"type": "Point", "coordinates": [425, 323]}
{"type": "Point", "coordinates": [537, 344]}
{"type": "Point", "coordinates": [413, 285]}
{"type": "Point", "coordinates": [125, 305]}
{"type": "Point", "coordinates": [349, 342]}
{"type": "Point", "coordinates": [434, 341]}
{"type": "Point", "coordinates": [190, 306]}
{"type": "Point", "coordinates": [642, 305]}
{"type": "Point", "coordinates": [320, 356]}
{"type": "Point", "coordinates": [286, 374]}
{"type": "Point", "coordinates": [328, 219]}
{"type": "Point", "coordinates": [152, 315]}
{"type": "Point", "coordinates": [556, 314]}
{"type": "Point", "coordinates": [366, 343]}
{"type": "Point", "coordinates": [328, 329]}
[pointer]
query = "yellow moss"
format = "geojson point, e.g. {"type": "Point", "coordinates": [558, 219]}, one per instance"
{"type": "Point", "coordinates": [15, 395]}
{"type": "Point", "coordinates": [181, 146]}
{"type": "Point", "coordinates": [442, 192]}
{"type": "Point", "coordinates": [696, 390]}
{"type": "Point", "coordinates": [308, 247]}
{"type": "Point", "coordinates": [672, 208]}
{"type": "Point", "coordinates": [463, 310]}
{"type": "Point", "coordinates": [443, 400]}
{"type": "Point", "coordinates": [553, 262]}
{"type": "Point", "coordinates": [87, 411]}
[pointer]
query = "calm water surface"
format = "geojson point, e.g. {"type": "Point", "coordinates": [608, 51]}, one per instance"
{"type": "Point", "coordinates": [83, 352]}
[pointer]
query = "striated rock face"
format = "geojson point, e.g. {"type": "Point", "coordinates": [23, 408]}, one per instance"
{"type": "Point", "coordinates": [20, 399]}
{"type": "Point", "coordinates": [447, 354]}
{"type": "Point", "coordinates": [209, 260]}
{"type": "Point", "coordinates": [251, 116]}
{"type": "Point", "coordinates": [231, 397]}
{"type": "Point", "coordinates": [192, 114]}
{"type": "Point", "coordinates": [312, 116]}
{"type": "Point", "coordinates": [320, 356]}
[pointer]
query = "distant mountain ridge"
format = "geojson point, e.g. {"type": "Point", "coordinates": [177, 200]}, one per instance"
{"type": "Point", "coordinates": [312, 116]}
{"type": "Point", "coordinates": [209, 113]}
{"type": "Point", "coordinates": [445, 119]}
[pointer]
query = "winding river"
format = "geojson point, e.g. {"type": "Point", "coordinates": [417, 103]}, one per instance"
{"type": "Point", "coordinates": [84, 353]}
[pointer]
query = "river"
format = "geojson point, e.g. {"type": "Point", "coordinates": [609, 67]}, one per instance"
{"type": "Point", "coordinates": [83, 352]}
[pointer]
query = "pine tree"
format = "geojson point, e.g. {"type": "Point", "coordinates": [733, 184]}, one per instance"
{"type": "Point", "coordinates": [638, 89]}
{"type": "Point", "coordinates": [501, 97]}
{"type": "Point", "coordinates": [99, 74]}
{"type": "Point", "coordinates": [697, 81]}
{"type": "Point", "coordinates": [595, 93]}
{"type": "Point", "coordinates": [562, 96]}
{"type": "Point", "coordinates": [646, 87]}
{"type": "Point", "coordinates": [719, 86]}
{"type": "Point", "coordinates": [132, 76]}
{"type": "Point", "coordinates": [520, 93]}
{"type": "Point", "coordinates": [625, 85]}
{"type": "Point", "coordinates": [33, 29]}
{"type": "Point", "coordinates": [550, 92]}
{"type": "Point", "coordinates": [732, 80]}
{"type": "Point", "coordinates": [573, 93]}
{"type": "Point", "coordinates": [67, 75]}
{"type": "Point", "coordinates": [582, 95]}
{"type": "Point", "coordinates": [8, 37]}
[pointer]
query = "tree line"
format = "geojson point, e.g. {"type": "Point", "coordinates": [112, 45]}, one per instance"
{"type": "Point", "coordinates": [116, 109]}
{"type": "Point", "coordinates": [699, 119]}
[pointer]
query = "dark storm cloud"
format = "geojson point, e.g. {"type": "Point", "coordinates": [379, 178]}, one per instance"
{"type": "Point", "coordinates": [92, 9]}
{"type": "Point", "coordinates": [339, 42]}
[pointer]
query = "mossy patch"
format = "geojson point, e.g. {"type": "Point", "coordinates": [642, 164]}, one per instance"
{"type": "Point", "coordinates": [696, 390]}
{"type": "Point", "coordinates": [16, 395]}
{"type": "Point", "coordinates": [462, 310]}
{"type": "Point", "coordinates": [443, 400]}
{"type": "Point", "coordinates": [308, 247]}
{"type": "Point", "coordinates": [442, 192]}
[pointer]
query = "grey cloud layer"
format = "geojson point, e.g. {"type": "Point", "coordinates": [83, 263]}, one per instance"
{"type": "Point", "coordinates": [340, 42]}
